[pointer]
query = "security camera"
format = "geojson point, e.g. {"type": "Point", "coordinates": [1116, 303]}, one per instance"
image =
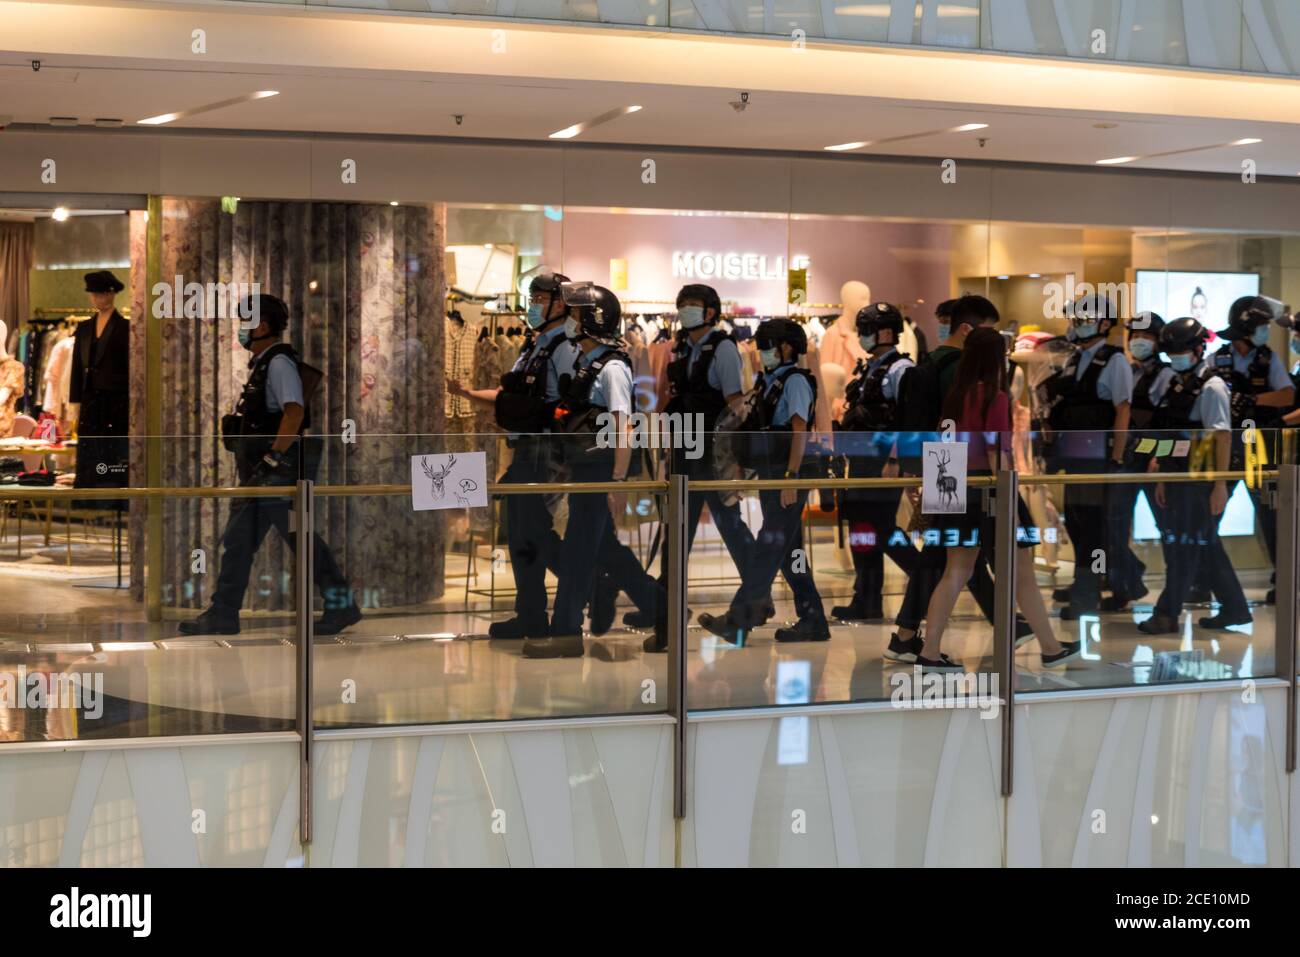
{"type": "Point", "coordinates": [740, 104]}
{"type": "Point", "coordinates": [983, 141]}
{"type": "Point", "coordinates": [459, 118]}
{"type": "Point", "coordinates": [36, 66]}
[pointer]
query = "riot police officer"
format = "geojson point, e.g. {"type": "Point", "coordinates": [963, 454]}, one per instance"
{"type": "Point", "coordinates": [1261, 392]}
{"type": "Point", "coordinates": [525, 406]}
{"type": "Point", "coordinates": [594, 413]}
{"type": "Point", "coordinates": [1195, 404]}
{"type": "Point", "coordinates": [866, 436]}
{"type": "Point", "coordinates": [706, 375]}
{"type": "Point", "coordinates": [1089, 419]}
{"type": "Point", "coordinates": [1151, 375]}
{"type": "Point", "coordinates": [266, 434]}
{"type": "Point", "coordinates": [778, 436]}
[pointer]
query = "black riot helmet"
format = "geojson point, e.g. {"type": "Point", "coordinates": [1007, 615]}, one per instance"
{"type": "Point", "coordinates": [547, 283]}
{"type": "Point", "coordinates": [706, 295]}
{"type": "Point", "coordinates": [596, 310]}
{"type": "Point", "coordinates": [1092, 308]}
{"type": "Point", "coordinates": [1182, 335]}
{"type": "Point", "coordinates": [771, 332]}
{"type": "Point", "coordinates": [1245, 314]}
{"type": "Point", "coordinates": [880, 315]}
{"type": "Point", "coordinates": [1148, 322]}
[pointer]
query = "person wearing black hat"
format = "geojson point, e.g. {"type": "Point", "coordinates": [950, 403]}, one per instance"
{"type": "Point", "coordinates": [1151, 375]}
{"type": "Point", "coordinates": [266, 435]}
{"type": "Point", "coordinates": [1262, 392]}
{"type": "Point", "coordinates": [100, 381]}
{"type": "Point", "coordinates": [1090, 404]}
{"type": "Point", "coordinates": [524, 406]}
{"type": "Point", "coordinates": [783, 415]}
{"type": "Point", "coordinates": [865, 435]}
{"type": "Point", "coordinates": [1195, 407]}
{"type": "Point", "coordinates": [599, 389]}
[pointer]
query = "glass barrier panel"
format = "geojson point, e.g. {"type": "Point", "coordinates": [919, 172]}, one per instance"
{"type": "Point", "coordinates": [94, 647]}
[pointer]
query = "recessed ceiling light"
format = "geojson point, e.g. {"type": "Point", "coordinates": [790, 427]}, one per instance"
{"type": "Point", "coordinates": [60, 214]}
{"type": "Point", "coordinates": [1250, 140]}
{"type": "Point", "coordinates": [392, 202]}
{"type": "Point", "coordinates": [1116, 160]}
{"type": "Point", "coordinates": [569, 132]}
{"type": "Point", "coordinates": [162, 118]}
{"type": "Point", "coordinates": [1035, 275]}
{"type": "Point", "coordinates": [841, 147]}
{"type": "Point", "coordinates": [1004, 277]}
{"type": "Point", "coordinates": [968, 127]}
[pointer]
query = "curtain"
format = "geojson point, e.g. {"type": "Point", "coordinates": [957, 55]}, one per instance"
{"type": "Point", "coordinates": [364, 286]}
{"type": "Point", "coordinates": [15, 270]}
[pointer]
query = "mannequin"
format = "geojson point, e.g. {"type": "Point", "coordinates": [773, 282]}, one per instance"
{"type": "Point", "coordinates": [99, 382]}
{"type": "Point", "coordinates": [11, 384]}
{"type": "Point", "coordinates": [840, 346]}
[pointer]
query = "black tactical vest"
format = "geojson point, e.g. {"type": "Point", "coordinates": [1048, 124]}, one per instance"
{"type": "Point", "coordinates": [867, 408]}
{"type": "Point", "coordinates": [1078, 406]}
{"type": "Point", "coordinates": [691, 390]}
{"type": "Point", "coordinates": [1142, 408]}
{"type": "Point", "coordinates": [521, 405]}
{"type": "Point", "coordinates": [258, 425]}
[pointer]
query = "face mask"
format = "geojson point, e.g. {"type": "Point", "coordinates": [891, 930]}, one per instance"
{"type": "Point", "coordinates": [1141, 348]}
{"type": "Point", "coordinates": [246, 338]}
{"type": "Point", "coordinates": [691, 317]}
{"type": "Point", "coordinates": [1260, 336]}
{"type": "Point", "coordinates": [770, 357]}
{"type": "Point", "coordinates": [945, 330]}
{"type": "Point", "coordinates": [868, 342]}
{"type": "Point", "coordinates": [1182, 363]}
{"type": "Point", "coordinates": [1085, 330]}
{"type": "Point", "coordinates": [536, 315]}
{"type": "Point", "coordinates": [572, 328]}
{"type": "Point", "coordinates": [1070, 334]}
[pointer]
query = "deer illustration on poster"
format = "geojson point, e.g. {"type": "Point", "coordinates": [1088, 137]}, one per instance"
{"type": "Point", "coordinates": [438, 477]}
{"type": "Point", "coordinates": [945, 484]}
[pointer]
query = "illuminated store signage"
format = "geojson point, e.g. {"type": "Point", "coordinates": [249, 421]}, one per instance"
{"type": "Point", "coordinates": [733, 265]}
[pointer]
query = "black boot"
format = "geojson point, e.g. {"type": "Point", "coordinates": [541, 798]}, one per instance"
{"type": "Point", "coordinates": [517, 629]}
{"type": "Point", "coordinates": [604, 602]}
{"type": "Point", "coordinates": [214, 621]}
{"type": "Point", "coordinates": [334, 620]}
{"type": "Point", "coordinates": [725, 627]}
{"type": "Point", "coordinates": [805, 629]}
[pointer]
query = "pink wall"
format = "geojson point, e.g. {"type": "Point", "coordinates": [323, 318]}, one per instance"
{"type": "Point", "coordinates": [900, 261]}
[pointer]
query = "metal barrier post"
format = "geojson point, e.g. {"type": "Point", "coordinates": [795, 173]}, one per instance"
{"type": "Point", "coordinates": [675, 542]}
{"type": "Point", "coordinates": [304, 553]}
{"type": "Point", "coordinates": [1287, 584]}
{"type": "Point", "coordinates": [1004, 612]}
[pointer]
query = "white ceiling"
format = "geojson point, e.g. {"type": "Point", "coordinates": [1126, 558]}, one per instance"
{"type": "Point", "coordinates": [324, 98]}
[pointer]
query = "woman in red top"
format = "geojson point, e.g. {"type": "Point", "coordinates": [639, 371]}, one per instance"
{"type": "Point", "coordinates": [981, 408]}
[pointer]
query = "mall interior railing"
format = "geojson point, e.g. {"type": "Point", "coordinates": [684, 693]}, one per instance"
{"type": "Point", "coordinates": [285, 676]}
{"type": "Point", "coordinates": [1251, 36]}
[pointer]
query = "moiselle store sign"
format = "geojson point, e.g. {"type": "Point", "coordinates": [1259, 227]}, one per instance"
{"type": "Point", "coordinates": [738, 266]}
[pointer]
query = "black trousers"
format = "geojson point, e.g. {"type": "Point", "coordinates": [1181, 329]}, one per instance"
{"type": "Point", "coordinates": [1192, 542]}
{"type": "Point", "coordinates": [1088, 526]}
{"type": "Point", "coordinates": [590, 541]}
{"type": "Point", "coordinates": [779, 547]}
{"type": "Point", "coordinates": [1124, 570]}
{"type": "Point", "coordinates": [880, 540]}
{"type": "Point", "coordinates": [531, 539]}
{"type": "Point", "coordinates": [247, 526]}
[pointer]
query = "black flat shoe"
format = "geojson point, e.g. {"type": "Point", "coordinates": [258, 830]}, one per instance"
{"type": "Point", "coordinates": [516, 629]}
{"type": "Point", "coordinates": [604, 602]}
{"type": "Point", "coordinates": [564, 646]}
{"type": "Point", "coordinates": [1159, 625]}
{"type": "Point", "coordinates": [211, 622]}
{"type": "Point", "coordinates": [334, 620]}
{"type": "Point", "coordinates": [1069, 651]}
{"type": "Point", "coordinates": [806, 629]}
{"type": "Point", "coordinates": [1221, 621]}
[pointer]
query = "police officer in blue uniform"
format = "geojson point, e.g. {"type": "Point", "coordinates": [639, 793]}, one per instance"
{"type": "Point", "coordinates": [783, 416]}
{"type": "Point", "coordinates": [1089, 419]}
{"type": "Point", "coordinates": [267, 436]}
{"type": "Point", "coordinates": [1261, 392]}
{"type": "Point", "coordinates": [594, 414]}
{"type": "Point", "coordinates": [1151, 375]}
{"type": "Point", "coordinates": [706, 376]}
{"type": "Point", "coordinates": [1194, 406]}
{"type": "Point", "coordinates": [525, 406]}
{"type": "Point", "coordinates": [866, 436]}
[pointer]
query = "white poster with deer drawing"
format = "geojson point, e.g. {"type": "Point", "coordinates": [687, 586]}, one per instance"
{"type": "Point", "coordinates": [451, 480]}
{"type": "Point", "coordinates": [943, 479]}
